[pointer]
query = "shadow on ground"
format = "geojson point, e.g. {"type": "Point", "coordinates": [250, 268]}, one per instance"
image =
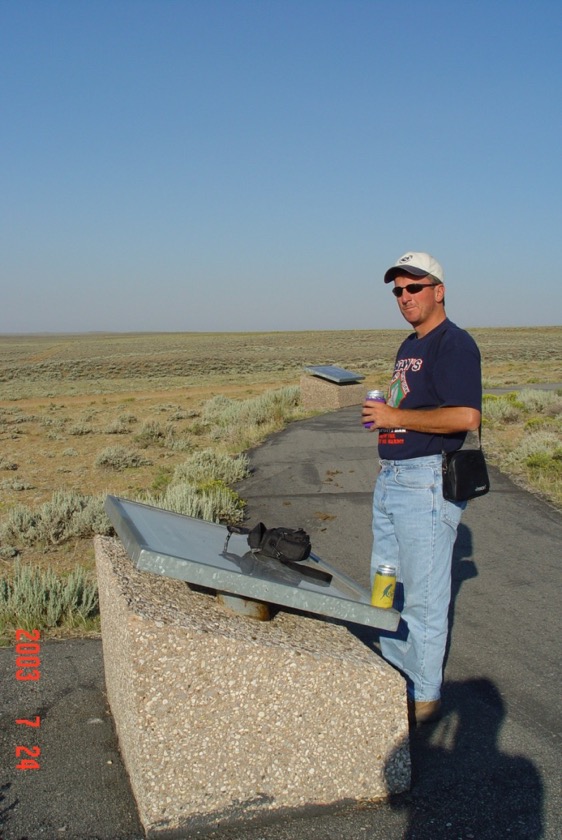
{"type": "Point", "coordinates": [463, 785]}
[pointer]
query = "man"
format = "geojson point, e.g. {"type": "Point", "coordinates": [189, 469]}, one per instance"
{"type": "Point", "coordinates": [434, 398]}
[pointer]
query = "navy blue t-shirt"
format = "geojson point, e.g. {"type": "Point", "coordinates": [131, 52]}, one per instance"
{"type": "Point", "coordinates": [440, 369]}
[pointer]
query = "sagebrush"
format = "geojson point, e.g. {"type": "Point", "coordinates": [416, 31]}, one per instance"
{"type": "Point", "coordinates": [34, 598]}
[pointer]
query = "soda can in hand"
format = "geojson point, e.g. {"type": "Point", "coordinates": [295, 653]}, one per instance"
{"type": "Point", "coordinates": [376, 396]}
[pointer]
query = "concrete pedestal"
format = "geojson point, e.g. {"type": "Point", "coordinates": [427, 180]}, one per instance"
{"type": "Point", "coordinates": [222, 718]}
{"type": "Point", "coordinates": [319, 394]}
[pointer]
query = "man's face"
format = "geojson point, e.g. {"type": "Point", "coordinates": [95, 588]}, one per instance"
{"type": "Point", "coordinates": [423, 307]}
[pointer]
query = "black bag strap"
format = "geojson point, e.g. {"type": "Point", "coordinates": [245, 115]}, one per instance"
{"type": "Point", "coordinates": [462, 447]}
{"type": "Point", "coordinates": [234, 529]}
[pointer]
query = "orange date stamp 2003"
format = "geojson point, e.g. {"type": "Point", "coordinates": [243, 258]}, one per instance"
{"type": "Point", "coordinates": [28, 669]}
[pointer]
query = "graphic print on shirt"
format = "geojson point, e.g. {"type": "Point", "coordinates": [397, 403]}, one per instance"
{"type": "Point", "coordinates": [399, 388]}
{"type": "Point", "coordinates": [398, 391]}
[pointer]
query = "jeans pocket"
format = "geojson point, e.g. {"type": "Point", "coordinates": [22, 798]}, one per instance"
{"type": "Point", "coordinates": [416, 478]}
{"type": "Point", "coordinates": [451, 512]}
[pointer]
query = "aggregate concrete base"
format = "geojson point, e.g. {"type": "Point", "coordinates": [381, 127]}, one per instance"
{"type": "Point", "coordinates": [223, 719]}
{"type": "Point", "coordinates": [318, 393]}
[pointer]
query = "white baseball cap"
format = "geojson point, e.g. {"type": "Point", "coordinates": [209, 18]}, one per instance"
{"type": "Point", "coordinates": [418, 263]}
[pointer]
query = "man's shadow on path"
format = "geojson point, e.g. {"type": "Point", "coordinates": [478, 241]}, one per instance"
{"type": "Point", "coordinates": [462, 784]}
{"type": "Point", "coordinates": [463, 568]}
{"type": "Point", "coordinates": [5, 809]}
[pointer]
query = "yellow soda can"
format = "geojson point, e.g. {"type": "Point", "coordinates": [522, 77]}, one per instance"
{"type": "Point", "coordinates": [384, 585]}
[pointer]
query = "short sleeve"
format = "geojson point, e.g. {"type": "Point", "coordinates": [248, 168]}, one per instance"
{"type": "Point", "coordinates": [458, 374]}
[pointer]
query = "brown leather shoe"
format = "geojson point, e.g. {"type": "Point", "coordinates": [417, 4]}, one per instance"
{"type": "Point", "coordinates": [423, 711]}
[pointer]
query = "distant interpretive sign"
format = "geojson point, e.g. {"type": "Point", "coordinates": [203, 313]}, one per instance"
{"type": "Point", "coordinates": [335, 374]}
{"type": "Point", "coordinates": [198, 552]}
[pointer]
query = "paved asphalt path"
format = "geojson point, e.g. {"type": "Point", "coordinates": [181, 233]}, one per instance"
{"type": "Point", "coordinates": [491, 768]}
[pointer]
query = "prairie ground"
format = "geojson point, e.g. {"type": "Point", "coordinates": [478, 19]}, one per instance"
{"type": "Point", "coordinates": [67, 399]}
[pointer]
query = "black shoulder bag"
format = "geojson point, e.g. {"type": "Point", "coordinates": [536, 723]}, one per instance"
{"type": "Point", "coordinates": [465, 475]}
{"type": "Point", "coordinates": [285, 544]}
{"type": "Point", "coordinates": [289, 546]}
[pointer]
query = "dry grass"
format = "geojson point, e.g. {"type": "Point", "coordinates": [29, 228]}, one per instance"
{"type": "Point", "coordinates": [68, 399]}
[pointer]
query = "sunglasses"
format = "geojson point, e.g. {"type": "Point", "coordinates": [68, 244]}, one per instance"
{"type": "Point", "coordinates": [411, 288]}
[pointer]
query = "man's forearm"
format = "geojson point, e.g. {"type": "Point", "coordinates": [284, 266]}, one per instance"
{"type": "Point", "coordinates": [438, 421]}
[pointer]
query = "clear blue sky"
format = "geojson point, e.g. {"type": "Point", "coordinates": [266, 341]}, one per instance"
{"type": "Point", "coordinates": [258, 164]}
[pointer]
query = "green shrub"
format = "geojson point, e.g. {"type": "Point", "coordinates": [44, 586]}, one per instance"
{"type": "Point", "coordinates": [551, 466]}
{"type": "Point", "coordinates": [514, 398]}
{"type": "Point", "coordinates": [199, 487]}
{"type": "Point", "coordinates": [179, 413]}
{"type": "Point", "coordinates": [150, 433]}
{"type": "Point", "coordinates": [153, 433]}
{"type": "Point", "coordinates": [161, 480]}
{"type": "Point", "coordinates": [66, 516]}
{"type": "Point", "coordinates": [539, 460]}
{"type": "Point", "coordinates": [500, 409]}
{"type": "Point", "coordinates": [544, 423]}
{"type": "Point", "coordinates": [273, 405]}
{"type": "Point", "coordinates": [54, 422]}
{"type": "Point", "coordinates": [16, 485]}
{"type": "Point", "coordinates": [209, 465]}
{"type": "Point", "coordinates": [243, 423]}
{"type": "Point", "coordinates": [7, 464]}
{"type": "Point", "coordinates": [179, 443]}
{"type": "Point", "coordinates": [118, 426]}
{"type": "Point", "coordinates": [120, 458]}
{"type": "Point", "coordinates": [81, 428]}
{"type": "Point", "coordinates": [216, 407]}
{"type": "Point", "coordinates": [534, 445]}
{"type": "Point", "coordinates": [32, 598]}
{"type": "Point", "coordinates": [213, 501]}
{"type": "Point", "coordinates": [540, 401]}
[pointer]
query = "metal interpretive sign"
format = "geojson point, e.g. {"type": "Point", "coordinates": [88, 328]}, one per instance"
{"type": "Point", "coordinates": [335, 374]}
{"type": "Point", "coordinates": [194, 550]}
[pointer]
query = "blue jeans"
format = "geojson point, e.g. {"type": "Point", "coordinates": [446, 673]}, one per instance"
{"type": "Point", "coordinates": [414, 529]}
